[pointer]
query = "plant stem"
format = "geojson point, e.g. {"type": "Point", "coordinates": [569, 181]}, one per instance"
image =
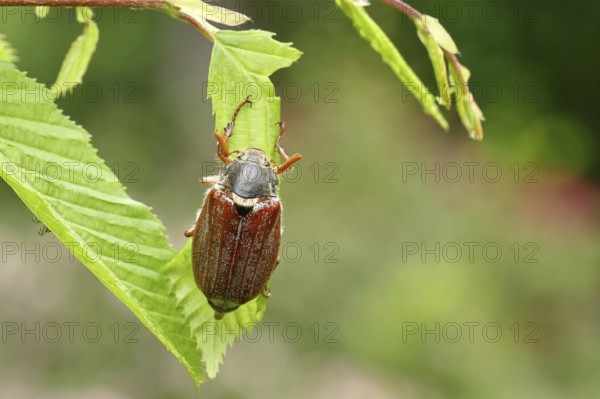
{"type": "Point", "coordinates": [161, 5]}
{"type": "Point", "coordinates": [405, 8]}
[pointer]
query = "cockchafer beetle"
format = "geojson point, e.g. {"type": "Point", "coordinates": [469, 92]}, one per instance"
{"type": "Point", "coordinates": [238, 230]}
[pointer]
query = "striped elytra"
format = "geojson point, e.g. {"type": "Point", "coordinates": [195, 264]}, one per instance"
{"type": "Point", "coordinates": [234, 255]}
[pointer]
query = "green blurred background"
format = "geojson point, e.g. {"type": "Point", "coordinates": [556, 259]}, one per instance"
{"type": "Point", "coordinates": [373, 298]}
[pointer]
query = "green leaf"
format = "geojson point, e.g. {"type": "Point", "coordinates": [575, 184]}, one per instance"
{"type": "Point", "coordinates": [469, 112]}
{"type": "Point", "coordinates": [436, 55]}
{"type": "Point", "coordinates": [49, 162]}
{"type": "Point", "coordinates": [240, 66]}
{"type": "Point", "coordinates": [213, 337]}
{"type": "Point", "coordinates": [202, 15]}
{"type": "Point", "coordinates": [370, 31]}
{"type": "Point", "coordinates": [204, 12]}
{"type": "Point", "coordinates": [79, 56]}
{"type": "Point", "coordinates": [42, 11]}
{"type": "Point", "coordinates": [439, 33]}
{"type": "Point", "coordinates": [7, 52]}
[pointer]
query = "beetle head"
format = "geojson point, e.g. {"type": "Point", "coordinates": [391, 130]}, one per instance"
{"type": "Point", "coordinates": [250, 178]}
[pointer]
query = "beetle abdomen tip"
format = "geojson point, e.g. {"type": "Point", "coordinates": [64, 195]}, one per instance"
{"type": "Point", "coordinates": [223, 306]}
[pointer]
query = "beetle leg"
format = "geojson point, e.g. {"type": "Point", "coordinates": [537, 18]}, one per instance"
{"type": "Point", "coordinates": [222, 147]}
{"type": "Point", "coordinates": [223, 139]}
{"type": "Point", "coordinates": [288, 163]}
{"type": "Point", "coordinates": [287, 160]}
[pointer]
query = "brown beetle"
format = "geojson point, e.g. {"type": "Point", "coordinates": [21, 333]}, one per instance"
{"type": "Point", "coordinates": [238, 230]}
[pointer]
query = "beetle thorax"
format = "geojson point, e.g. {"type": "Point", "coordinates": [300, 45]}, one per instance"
{"type": "Point", "coordinates": [249, 178]}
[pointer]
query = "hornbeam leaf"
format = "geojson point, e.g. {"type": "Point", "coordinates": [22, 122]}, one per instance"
{"type": "Point", "coordinates": [469, 112]}
{"type": "Point", "coordinates": [79, 56]}
{"type": "Point", "coordinates": [436, 55]}
{"type": "Point", "coordinates": [7, 52]}
{"type": "Point", "coordinates": [240, 66]}
{"type": "Point", "coordinates": [201, 11]}
{"type": "Point", "coordinates": [49, 162]}
{"type": "Point", "coordinates": [371, 32]}
{"type": "Point", "coordinates": [202, 15]}
{"type": "Point", "coordinates": [439, 33]}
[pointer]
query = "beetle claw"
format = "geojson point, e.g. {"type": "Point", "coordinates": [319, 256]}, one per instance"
{"type": "Point", "coordinates": [190, 232]}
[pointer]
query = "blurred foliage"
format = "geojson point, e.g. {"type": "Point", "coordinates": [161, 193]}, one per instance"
{"type": "Point", "coordinates": [541, 114]}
